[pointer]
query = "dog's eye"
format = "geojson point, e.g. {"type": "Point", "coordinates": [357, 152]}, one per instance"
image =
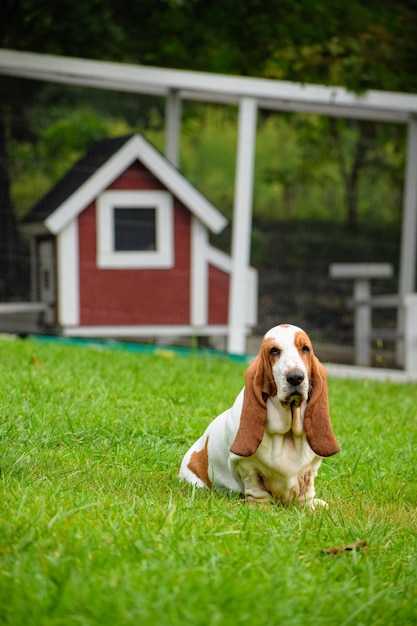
{"type": "Point", "coordinates": [275, 352]}
{"type": "Point", "coordinates": [305, 349]}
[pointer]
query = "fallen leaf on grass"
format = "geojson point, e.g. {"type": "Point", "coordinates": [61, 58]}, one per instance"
{"type": "Point", "coordinates": [356, 545]}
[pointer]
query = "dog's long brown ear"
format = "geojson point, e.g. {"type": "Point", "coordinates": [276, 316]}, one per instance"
{"type": "Point", "coordinates": [317, 424]}
{"type": "Point", "coordinates": [259, 384]}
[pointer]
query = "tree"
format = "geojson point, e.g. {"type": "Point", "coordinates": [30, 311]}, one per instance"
{"type": "Point", "coordinates": [354, 44]}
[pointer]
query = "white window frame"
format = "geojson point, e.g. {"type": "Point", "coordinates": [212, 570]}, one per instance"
{"type": "Point", "coordinates": [162, 256]}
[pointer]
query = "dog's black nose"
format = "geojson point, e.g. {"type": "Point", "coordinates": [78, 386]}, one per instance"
{"type": "Point", "coordinates": [295, 377]}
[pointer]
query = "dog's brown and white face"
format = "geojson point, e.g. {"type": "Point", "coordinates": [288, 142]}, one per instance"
{"type": "Point", "coordinates": [289, 352]}
{"type": "Point", "coordinates": [286, 369]}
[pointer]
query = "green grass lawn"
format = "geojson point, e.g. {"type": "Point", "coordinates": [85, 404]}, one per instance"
{"type": "Point", "coordinates": [95, 528]}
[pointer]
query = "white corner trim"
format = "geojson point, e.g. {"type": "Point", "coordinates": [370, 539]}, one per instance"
{"type": "Point", "coordinates": [68, 276]}
{"type": "Point", "coordinates": [199, 273]}
{"type": "Point", "coordinates": [161, 257]}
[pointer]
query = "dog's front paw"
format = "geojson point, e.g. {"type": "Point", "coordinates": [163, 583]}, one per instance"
{"type": "Point", "coordinates": [316, 503]}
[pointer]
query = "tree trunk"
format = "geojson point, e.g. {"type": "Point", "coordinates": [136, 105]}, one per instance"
{"type": "Point", "coordinates": [351, 168]}
{"type": "Point", "coordinates": [352, 188]}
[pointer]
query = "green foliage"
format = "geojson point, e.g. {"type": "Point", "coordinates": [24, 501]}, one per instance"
{"type": "Point", "coordinates": [96, 528]}
{"type": "Point", "coordinates": [300, 171]}
{"type": "Point", "coordinates": [208, 153]}
{"type": "Point", "coordinates": [356, 44]}
{"type": "Point", "coordinates": [74, 133]}
{"type": "Point", "coordinates": [35, 167]}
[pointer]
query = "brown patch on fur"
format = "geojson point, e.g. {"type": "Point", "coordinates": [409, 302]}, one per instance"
{"type": "Point", "coordinates": [268, 361]}
{"type": "Point", "coordinates": [198, 464]}
{"type": "Point", "coordinates": [302, 340]}
{"type": "Point", "coordinates": [259, 385]}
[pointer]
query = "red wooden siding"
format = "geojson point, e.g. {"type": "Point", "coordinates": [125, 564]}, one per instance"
{"type": "Point", "coordinates": [218, 296]}
{"type": "Point", "coordinates": [113, 297]}
{"type": "Point", "coordinates": [137, 176]}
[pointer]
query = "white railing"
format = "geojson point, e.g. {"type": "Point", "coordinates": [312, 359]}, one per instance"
{"type": "Point", "coordinates": [364, 302]}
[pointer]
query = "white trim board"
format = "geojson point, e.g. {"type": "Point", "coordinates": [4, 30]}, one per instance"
{"type": "Point", "coordinates": [68, 275]}
{"type": "Point", "coordinates": [145, 331]}
{"type": "Point", "coordinates": [329, 100]}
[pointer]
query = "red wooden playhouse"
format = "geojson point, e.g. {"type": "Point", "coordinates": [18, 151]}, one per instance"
{"type": "Point", "coordinates": [120, 248]}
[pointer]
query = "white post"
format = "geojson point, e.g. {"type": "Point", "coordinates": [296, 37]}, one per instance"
{"type": "Point", "coordinates": [409, 230]}
{"type": "Point", "coordinates": [172, 126]}
{"type": "Point", "coordinates": [242, 223]}
{"type": "Point", "coordinates": [410, 333]}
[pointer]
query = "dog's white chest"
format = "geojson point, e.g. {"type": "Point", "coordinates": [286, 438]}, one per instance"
{"type": "Point", "coordinates": [282, 461]}
{"type": "Point", "coordinates": [286, 455]}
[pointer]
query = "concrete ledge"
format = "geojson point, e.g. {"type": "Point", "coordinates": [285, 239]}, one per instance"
{"type": "Point", "coordinates": [370, 373]}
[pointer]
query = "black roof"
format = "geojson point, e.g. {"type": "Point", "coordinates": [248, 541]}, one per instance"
{"type": "Point", "coordinates": [78, 174]}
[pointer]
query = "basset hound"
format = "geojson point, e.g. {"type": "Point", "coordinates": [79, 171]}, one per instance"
{"type": "Point", "coordinates": [269, 445]}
